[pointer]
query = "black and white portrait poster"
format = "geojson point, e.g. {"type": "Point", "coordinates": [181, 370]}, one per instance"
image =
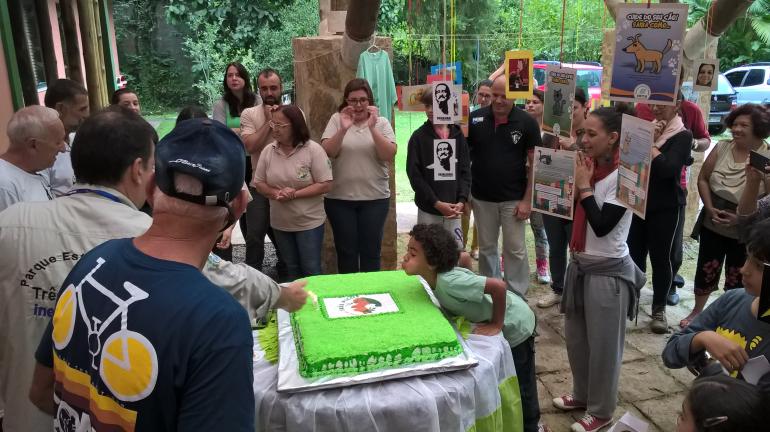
{"type": "Point", "coordinates": [705, 74]}
{"type": "Point", "coordinates": [446, 103]}
{"type": "Point", "coordinates": [444, 159]}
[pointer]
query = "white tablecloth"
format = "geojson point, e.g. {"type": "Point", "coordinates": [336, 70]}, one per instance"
{"type": "Point", "coordinates": [450, 401]}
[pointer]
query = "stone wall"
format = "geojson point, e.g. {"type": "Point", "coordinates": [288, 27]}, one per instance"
{"type": "Point", "coordinates": [320, 77]}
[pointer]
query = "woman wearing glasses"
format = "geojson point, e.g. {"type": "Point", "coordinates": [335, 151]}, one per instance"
{"type": "Point", "coordinates": [721, 184]}
{"type": "Point", "coordinates": [360, 144]}
{"type": "Point", "coordinates": [294, 173]}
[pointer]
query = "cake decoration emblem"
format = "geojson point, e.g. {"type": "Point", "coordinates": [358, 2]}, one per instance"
{"type": "Point", "coordinates": [360, 306]}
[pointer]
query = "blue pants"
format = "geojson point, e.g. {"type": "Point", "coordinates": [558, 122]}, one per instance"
{"type": "Point", "coordinates": [301, 251]}
{"type": "Point", "coordinates": [524, 360]}
{"type": "Point", "coordinates": [358, 228]}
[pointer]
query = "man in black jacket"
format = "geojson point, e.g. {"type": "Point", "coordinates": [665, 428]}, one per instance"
{"type": "Point", "coordinates": [438, 166]}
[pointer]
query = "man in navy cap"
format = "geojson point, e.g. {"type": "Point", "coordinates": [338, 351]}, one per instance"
{"type": "Point", "coordinates": [140, 339]}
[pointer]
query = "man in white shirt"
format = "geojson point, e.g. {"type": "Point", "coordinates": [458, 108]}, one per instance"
{"type": "Point", "coordinates": [70, 99]}
{"type": "Point", "coordinates": [256, 134]}
{"type": "Point", "coordinates": [41, 242]}
{"type": "Point", "coordinates": [36, 135]}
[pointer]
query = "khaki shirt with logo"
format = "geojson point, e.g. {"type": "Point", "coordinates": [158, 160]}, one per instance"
{"type": "Point", "coordinates": [305, 165]}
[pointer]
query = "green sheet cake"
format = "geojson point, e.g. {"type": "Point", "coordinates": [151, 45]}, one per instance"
{"type": "Point", "coordinates": [369, 321]}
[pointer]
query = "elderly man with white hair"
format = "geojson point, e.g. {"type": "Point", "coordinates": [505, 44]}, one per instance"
{"type": "Point", "coordinates": [36, 135]}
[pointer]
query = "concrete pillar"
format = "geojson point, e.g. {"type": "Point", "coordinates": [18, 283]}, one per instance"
{"type": "Point", "coordinates": [320, 77]}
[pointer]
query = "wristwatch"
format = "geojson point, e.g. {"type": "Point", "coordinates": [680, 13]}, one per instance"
{"type": "Point", "coordinates": [588, 189]}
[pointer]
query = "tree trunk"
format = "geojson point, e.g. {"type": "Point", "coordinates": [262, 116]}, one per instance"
{"type": "Point", "coordinates": [360, 23]}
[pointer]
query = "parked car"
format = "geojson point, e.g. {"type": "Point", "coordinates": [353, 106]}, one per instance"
{"type": "Point", "coordinates": [588, 75]}
{"type": "Point", "coordinates": [752, 82]}
{"type": "Point", "coordinates": [723, 100]}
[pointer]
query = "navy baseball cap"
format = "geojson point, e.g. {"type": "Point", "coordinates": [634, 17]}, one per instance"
{"type": "Point", "coordinates": [208, 151]}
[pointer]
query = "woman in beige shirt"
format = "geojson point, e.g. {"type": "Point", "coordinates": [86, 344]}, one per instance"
{"type": "Point", "coordinates": [721, 183]}
{"type": "Point", "coordinates": [360, 144]}
{"type": "Point", "coordinates": [294, 173]}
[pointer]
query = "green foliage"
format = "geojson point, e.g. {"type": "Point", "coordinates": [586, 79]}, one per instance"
{"type": "Point", "coordinates": [746, 41]}
{"type": "Point", "coordinates": [238, 21]}
{"type": "Point", "coordinates": [275, 47]}
{"type": "Point", "coordinates": [160, 83]}
{"type": "Point", "coordinates": [486, 29]}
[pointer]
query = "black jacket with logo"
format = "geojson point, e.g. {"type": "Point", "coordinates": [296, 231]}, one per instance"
{"type": "Point", "coordinates": [422, 172]}
{"type": "Point", "coordinates": [499, 154]}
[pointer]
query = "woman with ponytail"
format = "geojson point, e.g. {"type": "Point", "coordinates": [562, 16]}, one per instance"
{"type": "Point", "coordinates": [602, 282]}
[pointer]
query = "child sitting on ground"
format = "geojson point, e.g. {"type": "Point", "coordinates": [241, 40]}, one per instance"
{"type": "Point", "coordinates": [723, 404]}
{"type": "Point", "coordinates": [432, 253]}
{"type": "Point", "coordinates": [729, 329]}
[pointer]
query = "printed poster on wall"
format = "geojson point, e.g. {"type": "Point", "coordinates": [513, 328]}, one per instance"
{"type": "Point", "coordinates": [444, 160]}
{"type": "Point", "coordinates": [455, 69]}
{"type": "Point", "coordinates": [705, 74]}
{"type": "Point", "coordinates": [518, 69]}
{"type": "Point", "coordinates": [409, 97]}
{"type": "Point", "coordinates": [554, 183]}
{"type": "Point", "coordinates": [648, 52]}
{"type": "Point", "coordinates": [636, 139]}
{"type": "Point", "coordinates": [559, 94]}
{"type": "Point", "coordinates": [446, 103]}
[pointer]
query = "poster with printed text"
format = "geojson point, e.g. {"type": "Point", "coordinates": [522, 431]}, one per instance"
{"type": "Point", "coordinates": [648, 52]}
{"type": "Point", "coordinates": [454, 69]}
{"type": "Point", "coordinates": [636, 139]}
{"type": "Point", "coordinates": [446, 103]}
{"type": "Point", "coordinates": [409, 97]}
{"type": "Point", "coordinates": [444, 159]}
{"type": "Point", "coordinates": [518, 72]}
{"type": "Point", "coordinates": [705, 75]}
{"type": "Point", "coordinates": [554, 183]}
{"type": "Point", "coordinates": [559, 94]}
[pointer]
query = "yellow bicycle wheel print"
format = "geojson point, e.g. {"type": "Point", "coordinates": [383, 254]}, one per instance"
{"type": "Point", "coordinates": [64, 317]}
{"type": "Point", "coordinates": [129, 365]}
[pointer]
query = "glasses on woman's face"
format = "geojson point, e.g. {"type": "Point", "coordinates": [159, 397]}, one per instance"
{"type": "Point", "coordinates": [274, 125]}
{"type": "Point", "coordinates": [361, 101]}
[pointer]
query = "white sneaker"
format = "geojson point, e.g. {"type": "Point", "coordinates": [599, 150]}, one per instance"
{"type": "Point", "coordinates": [549, 300]}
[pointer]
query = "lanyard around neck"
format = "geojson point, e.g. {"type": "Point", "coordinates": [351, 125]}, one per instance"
{"type": "Point", "coordinates": [101, 193]}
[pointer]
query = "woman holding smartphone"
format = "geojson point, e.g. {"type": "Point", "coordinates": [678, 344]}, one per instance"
{"type": "Point", "coordinates": [721, 184]}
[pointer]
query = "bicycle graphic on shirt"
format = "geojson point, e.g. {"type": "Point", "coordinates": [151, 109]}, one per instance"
{"type": "Point", "coordinates": [128, 363]}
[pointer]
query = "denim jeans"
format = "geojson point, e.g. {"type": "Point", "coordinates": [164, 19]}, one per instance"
{"type": "Point", "coordinates": [559, 232]}
{"type": "Point", "coordinates": [358, 227]}
{"type": "Point", "coordinates": [524, 360]}
{"type": "Point", "coordinates": [301, 251]}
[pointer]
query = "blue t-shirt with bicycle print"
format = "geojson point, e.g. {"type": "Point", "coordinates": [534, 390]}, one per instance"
{"type": "Point", "coordinates": [140, 343]}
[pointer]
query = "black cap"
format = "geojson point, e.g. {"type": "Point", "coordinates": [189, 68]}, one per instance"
{"type": "Point", "coordinates": [206, 150]}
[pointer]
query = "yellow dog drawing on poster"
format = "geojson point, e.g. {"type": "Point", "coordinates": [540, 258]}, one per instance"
{"type": "Point", "coordinates": [644, 55]}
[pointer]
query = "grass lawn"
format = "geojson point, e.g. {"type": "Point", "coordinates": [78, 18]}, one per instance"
{"type": "Point", "coordinates": [406, 123]}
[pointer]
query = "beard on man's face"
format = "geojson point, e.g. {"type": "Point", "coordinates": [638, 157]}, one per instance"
{"type": "Point", "coordinates": [270, 100]}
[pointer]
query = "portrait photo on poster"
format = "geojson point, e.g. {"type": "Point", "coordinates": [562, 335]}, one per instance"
{"type": "Point", "coordinates": [705, 74]}
{"type": "Point", "coordinates": [648, 52]}
{"type": "Point", "coordinates": [446, 103]}
{"type": "Point", "coordinates": [444, 159]}
{"type": "Point", "coordinates": [518, 72]}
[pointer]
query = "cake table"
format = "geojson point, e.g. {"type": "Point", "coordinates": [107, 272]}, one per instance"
{"type": "Point", "coordinates": [484, 398]}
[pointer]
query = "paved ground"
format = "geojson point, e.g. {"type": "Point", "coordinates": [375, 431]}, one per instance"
{"type": "Point", "coordinates": [648, 389]}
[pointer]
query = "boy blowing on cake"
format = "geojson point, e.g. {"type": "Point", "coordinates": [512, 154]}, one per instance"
{"type": "Point", "coordinates": [432, 253]}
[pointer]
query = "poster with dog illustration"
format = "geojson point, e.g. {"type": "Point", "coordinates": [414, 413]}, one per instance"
{"type": "Point", "coordinates": [648, 52]}
{"type": "Point", "coordinates": [559, 94]}
{"type": "Point", "coordinates": [518, 70]}
{"type": "Point", "coordinates": [636, 138]}
{"type": "Point", "coordinates": [554, 182]}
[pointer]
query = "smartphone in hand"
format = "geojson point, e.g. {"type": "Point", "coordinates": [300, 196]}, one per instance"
{"type": "Point", "coordinates": [758, 161]}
